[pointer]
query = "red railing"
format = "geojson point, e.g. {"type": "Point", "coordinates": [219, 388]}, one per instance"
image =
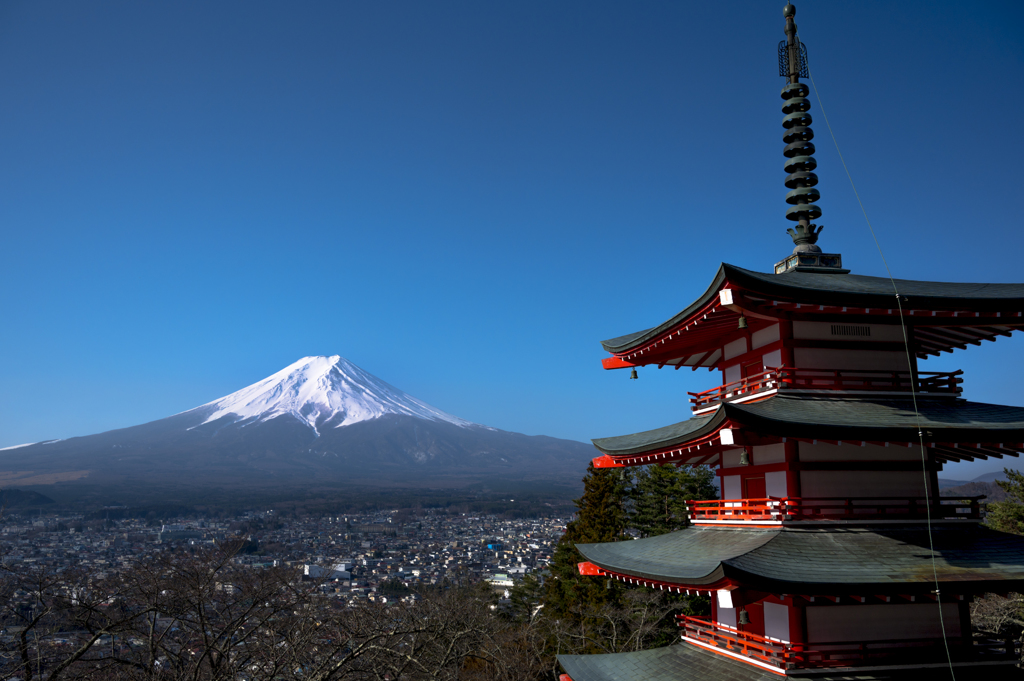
{"type": "Point", "coordinates": [789, 379]}
{"type": "Point", "coordinates": [836, 508]}
{"type": "Point", "coordinates": [842, 654]}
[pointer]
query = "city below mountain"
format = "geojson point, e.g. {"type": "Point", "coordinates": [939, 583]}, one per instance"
{"type": "Point", "coordinates": [320, 423]}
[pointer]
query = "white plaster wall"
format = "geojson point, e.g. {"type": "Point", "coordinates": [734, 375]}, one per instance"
{"type": "Point", "coordinates": [769, 454]}
{"type": "Point", "coordinates": [823, 358]}
{"type": "Point", "coordinates": [776, 621]}
{"type": "Point", "coordinates": [854, 623]}
{"type": "Point", "coordinates": [761, 338]}
{"type": "Point", "coordinates": [733, 373]}
{"type": "Point", "coordinates": [772, 359]}
{"type": "Point", "coordinates": [731, 458]}
{"type": "Point", "coordinates": [731, 488]}
{"type": "Point", "coordinates": [727, 616]}
{"type": "Point", "coordinates": [775, 484]}
{"type": "Point", "coordinates": [823, 331]}
{"type": "Point", "coordinates": [847, 452]}
{"type": "Point", "coordinates": [736, 348]}
{"type": "Point", "coordinates": [861, 484]}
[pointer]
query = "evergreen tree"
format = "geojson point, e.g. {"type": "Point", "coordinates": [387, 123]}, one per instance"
{"type": "Point", "coordinates": [650, 501]}
{"type": "Point", "coordinates": [658, 496]}
{"type": "Point", "coordinates": [1008, 515]}
{"type": "Point", "coordinates": [600, 517]}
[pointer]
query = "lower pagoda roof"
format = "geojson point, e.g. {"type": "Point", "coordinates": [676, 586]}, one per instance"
{"type": "Point", "coordinates": [836, 418]}
{"type": "Point", "coordinates": [684, 662]}
{"type": "Point", "coordinates": [823, 560]}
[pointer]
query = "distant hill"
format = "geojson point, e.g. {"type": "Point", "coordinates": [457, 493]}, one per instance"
{"type": "Point", "coordinates": [990, 477]}
{"type": "Point", "coordinates": [991, 490]}
{"type": "Point", "coordinates": [944, 483]}
{"type": "Point", "coordinates": [16, 498]}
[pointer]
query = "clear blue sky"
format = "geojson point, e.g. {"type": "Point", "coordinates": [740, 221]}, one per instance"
{"type": "Point", "coordinates": [463, 197]}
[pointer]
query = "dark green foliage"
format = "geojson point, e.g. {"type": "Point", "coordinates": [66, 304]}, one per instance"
{"type": "Point", "coordinates": [604, 615]}
{"type": "Point", "coordinates": [658, 496]}
{"type": "Point", "coordinates": [524, 598]}
{"type": "Point", "coordinates": [601, 517]}
{"type": "Point", "coordinates": [394, 588]}
{"type": "Point", "coordinates": [16, 498]}
{"type": "Point", "coordinates": [1008, 515]}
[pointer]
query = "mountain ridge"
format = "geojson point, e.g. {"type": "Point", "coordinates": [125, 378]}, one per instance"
{"type": "Point", "coordinates": [319, 421]}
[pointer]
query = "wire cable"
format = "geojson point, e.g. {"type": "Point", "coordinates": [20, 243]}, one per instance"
{"type": "Point", "coordinates": [913, 391]}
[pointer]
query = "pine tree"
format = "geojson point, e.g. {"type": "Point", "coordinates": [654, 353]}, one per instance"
{"type": "Point", "coordinates": [600, 517]}
{"type": "Point", "coordinates": [1008, 515]}
{"type": "Point", "coordinates": [659, 494]}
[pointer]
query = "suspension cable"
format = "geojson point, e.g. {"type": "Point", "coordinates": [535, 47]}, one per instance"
{"type": "Point", "coordinates": [913, 390]}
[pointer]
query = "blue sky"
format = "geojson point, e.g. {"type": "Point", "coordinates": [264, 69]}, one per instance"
{"type": "Point", "coordinates": [463, 198]}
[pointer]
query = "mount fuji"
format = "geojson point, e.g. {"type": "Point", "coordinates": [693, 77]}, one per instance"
{"type": "Point", "coordinates": [320, 422]}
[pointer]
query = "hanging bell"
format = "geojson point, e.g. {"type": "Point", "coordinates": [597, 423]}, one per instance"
{"type": "Point", "coordinates": [743, 322]}
{"type": "Point", "coordinates": [744, 617]}
{"type": "Point", "coordinates": [744, 457]}
{"type": "Point", "coordinates": [632, 375]}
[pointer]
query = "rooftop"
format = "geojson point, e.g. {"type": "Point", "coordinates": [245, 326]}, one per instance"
{"type": "Point", "coordinates": [830, 560]}
{"type": "Point", "coordinates": [973, 311]}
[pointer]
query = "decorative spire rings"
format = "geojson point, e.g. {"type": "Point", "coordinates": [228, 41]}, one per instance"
{"type": "Point", "coordinates": [800, 162]}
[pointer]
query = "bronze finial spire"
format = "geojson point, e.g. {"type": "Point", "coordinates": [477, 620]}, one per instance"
{"type": "Point", "coordinates": [800, 162]}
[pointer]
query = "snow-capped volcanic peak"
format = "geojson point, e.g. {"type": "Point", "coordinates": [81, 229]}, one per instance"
{"type": "Point", "coordinates": [323, 392]}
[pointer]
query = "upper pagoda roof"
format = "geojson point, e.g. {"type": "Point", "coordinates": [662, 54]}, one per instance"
{"type": "Point", "coordinates": [850, 419]}
{"type": "Point", "coordinates": [691, 663]}
{"type": "Point", "coordinates": [824, 560]}
{"type": "Point", "coordinates": [824, 295]}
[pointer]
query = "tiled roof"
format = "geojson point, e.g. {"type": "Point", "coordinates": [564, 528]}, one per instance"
{"type": "Point", "coordinates": [666, 436]}
{"type": "Point", "coordinates": [690, 556]}
{"type": "Point", "coordinates": [830, 560]}
{"type": "Point", "coordinates": [869, 419]}
{"type": "Point", "coordinates": [852, 290]}
{"type": "Point", "coordinates": [681, 662]}
{"type": "Point", "coordinates": [685, 662]}
{"type": "Point", "coordinates": [840, 418]}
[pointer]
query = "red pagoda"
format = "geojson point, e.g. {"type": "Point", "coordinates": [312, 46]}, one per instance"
{"type": "Point", "coordinates": [831, 554]}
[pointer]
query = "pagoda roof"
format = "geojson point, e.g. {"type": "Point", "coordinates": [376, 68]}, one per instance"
{"type": "Point", "coordinates": [834, 419]}
{"type": "Point", "coordinates": [685, 662]}
{"type": "Point", "coordinates": [774, 295]}
{"type": "Point", "coordinates": [822, 560]}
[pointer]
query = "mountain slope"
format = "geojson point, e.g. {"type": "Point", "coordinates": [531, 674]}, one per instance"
{"type": "Point", "coordinates": [320, 422]}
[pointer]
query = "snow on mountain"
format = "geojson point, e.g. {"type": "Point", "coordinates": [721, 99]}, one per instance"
{"type": "Point", "coordinates": [322, 392]}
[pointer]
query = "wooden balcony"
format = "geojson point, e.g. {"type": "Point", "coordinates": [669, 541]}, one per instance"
{"type": "Point", "coordinates": [848, 509]}
{"type": "Point", "coordinates": [843, 654]}
{"type": "Point", "coordinates": [811, 381]}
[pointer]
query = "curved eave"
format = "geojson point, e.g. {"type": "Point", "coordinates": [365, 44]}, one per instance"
{"type": "Point", "coordinates": [622, 344]}
{"type": "Point", "coordinates": [652, 442]}
{"type": "Point", "coordinates": [691, 557]}
{"type": "Point", "coordinates": [687, 338]}
{"type": "Point", "coordinates": [838, 419]}
{"type": "Point", "coordinates": [825, 560]}
{"type": "Point", "coordinates": [948, 424]}
{"type": "Point", "coordinates": [855, 290]}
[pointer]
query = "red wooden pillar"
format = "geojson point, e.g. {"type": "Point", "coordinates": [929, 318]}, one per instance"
{"type": "Point", "coordinates": [797, 624]}
{"type": "Point", "coordinates": [792, 468]}
{"type": "Point", "coordinates": [964, 608]}
{"type": "Point", "coordinates": [798, 629]}
{"type": "Point", "coordinates": [785, 335]}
